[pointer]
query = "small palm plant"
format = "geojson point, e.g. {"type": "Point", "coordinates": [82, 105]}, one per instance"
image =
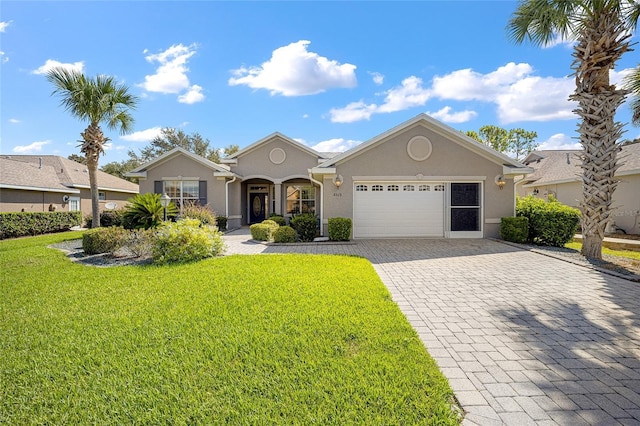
{"type": "Point", "coordinates": [145, 211]}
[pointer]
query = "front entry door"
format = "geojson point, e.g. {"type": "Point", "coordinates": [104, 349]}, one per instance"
{"type": "Point", "coordinates": [257, 207]}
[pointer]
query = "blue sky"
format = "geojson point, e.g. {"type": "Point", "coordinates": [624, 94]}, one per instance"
{"type": "Point", "coordinates": [328, 74]}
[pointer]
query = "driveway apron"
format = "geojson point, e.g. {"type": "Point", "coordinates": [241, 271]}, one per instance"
{"type": "Point", "coordinates": [522, 338]}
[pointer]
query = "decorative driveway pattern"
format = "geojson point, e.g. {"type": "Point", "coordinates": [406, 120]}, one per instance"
{"type": "Point", "coordinates": [523, 338]}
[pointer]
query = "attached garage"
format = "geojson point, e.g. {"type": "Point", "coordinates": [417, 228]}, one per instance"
{"type": "Point", "coordinates": [399, 209]}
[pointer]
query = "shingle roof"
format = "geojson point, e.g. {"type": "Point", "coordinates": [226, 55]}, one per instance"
{"type": "Point", "coordinates": [62, 172]}
{"type": "Point", "coordinates": [554, 166]}
{"type": "Point", "coordinates": [20, 175]}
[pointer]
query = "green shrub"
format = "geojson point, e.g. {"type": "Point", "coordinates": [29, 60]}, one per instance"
{"type": "Point", "coordinates": [284, 234]}
{"type": "Point", "coordinates": [263, 231]}
{"type": "Point", "coordinates": [280, 220]}
{"type": "Point", "coordinates": [145, 211]}
{"type": "Point", "coordinates": [306, 225]}
{"type": "Point", "coordinates": [339, 228]}
{"type": "Point", "coordinates": [221, 222]}
{"type": "Point", "coordinates": [20, 224]}
{"type": "Point", "coordinates": [103, 240]}
{"type": "Point", "coordinates": [514, 229]}
{"type": "Point", "coordinates": [107, 218]}
{"type": "Point", "coordinates": [551, 223]}
{"type": "Point", "coordinates": [202, 213]}
{"type": "Point", "coordinates": [186, 240]}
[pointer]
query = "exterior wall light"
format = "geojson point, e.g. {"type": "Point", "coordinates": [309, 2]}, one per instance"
{"type": "Point", "coordinates": [500, 181]}
{"type": "Point", "coordinates": [337, 181]}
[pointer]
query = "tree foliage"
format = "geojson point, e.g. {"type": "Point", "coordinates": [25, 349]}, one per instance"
{"type": "Point", "coordinates": [78, 158]}
{"type": "Point", "coordinates": [515, 142]}
{"type": "Point", "coordinates": [120, 168]}
{"type": "Point", "coordinates": [632, 84]}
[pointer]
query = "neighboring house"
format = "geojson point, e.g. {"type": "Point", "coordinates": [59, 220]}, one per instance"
{"type": "Point", "coordinates": [36, 183]}
{"type": "Point", "coordinates": [558, 173]}
{"type": "Point", "coordinates": [419, 179]}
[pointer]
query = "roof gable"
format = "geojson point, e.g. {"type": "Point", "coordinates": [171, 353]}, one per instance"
{"type": "Point", "coordinates": [172, 154]}
{"type": "Point", "coordinates": [233, 158]}
{"type": "Point", "coordinates": [437, 127]}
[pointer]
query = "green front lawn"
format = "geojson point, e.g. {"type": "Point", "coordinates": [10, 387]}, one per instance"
{"type": "Point", "coordinates": [629, 254]}
{"type": "Point", "coordinates": [270, 339]}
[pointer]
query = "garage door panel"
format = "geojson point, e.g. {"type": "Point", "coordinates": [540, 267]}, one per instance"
{"type": "Point", "coordinates": [399, 213]}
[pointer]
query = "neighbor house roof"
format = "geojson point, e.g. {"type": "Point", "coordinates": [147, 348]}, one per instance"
{"type": "Point", "coordinates": [61, 173]}
{"type": "Point", "coordinates": [30, 177]}
{"type": "Point", "coordinates": [510, 165]}
{"type": "Point", "coordinates": [562, 166]}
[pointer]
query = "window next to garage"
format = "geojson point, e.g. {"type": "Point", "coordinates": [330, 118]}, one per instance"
{"type": "Point", "coordinates": [465, 207]}
{"type": "Point", "coordinates": [301, 199]}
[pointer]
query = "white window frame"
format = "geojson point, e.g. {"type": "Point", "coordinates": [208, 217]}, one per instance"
{"type": "Point", "coordinates": [180, 199]}
{"type": "Point", "coordinates": [300, 200]}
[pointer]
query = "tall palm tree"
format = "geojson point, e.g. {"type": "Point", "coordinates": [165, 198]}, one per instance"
{"type": "Point", "coordinates": [98, 100]}
{"type": "Point", "coordinates": [632, 83]}
{"type": "Point", "coordinates": [601, 30]}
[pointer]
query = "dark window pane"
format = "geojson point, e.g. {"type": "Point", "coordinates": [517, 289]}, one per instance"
{"type": "Point", "coordinates": [465, 194]}
{"type": "Point", "coordinates": [465, 219]}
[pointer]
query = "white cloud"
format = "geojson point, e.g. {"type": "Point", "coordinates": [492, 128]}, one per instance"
{"type": "Point", "coordinates": [4, 25]}
{"type": "Point", "coordinates": [51, 63]}
{"type": "Point", "coordinates": [560, 141]}
{"type": "Point", "coordinates": [14, 121]}
{"type": "Point", "coordinates": [4, 57]}
{"type": "Point", "coordinates": [409, 94]}
{"type": "Point", "coordinates": [192, 96]}
{"type": "Point", "coordinates": [377, 78]}
{"type": "Point", "coordinates": [171, 74]}
{"type": "Point", "coordinates": [335, 145]}
{"type": "Point", "coordinates": [305, 115]}
{"type": "Point", "coordinates": [143, 135]}
{"type": "Point", "coordinates": [30, 149]}
{"type": "Point", "coordinates": [616, 77]}
{"type": "Point", "coordinates": [447, 116]}
{"type": "Point", "coordinates": [294, 71]}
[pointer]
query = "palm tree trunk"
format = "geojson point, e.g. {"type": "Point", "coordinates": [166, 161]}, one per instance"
{"type": "Point", "coordinates": [92, 146]}
{"type": "Point", "coordinates": [600, 46]}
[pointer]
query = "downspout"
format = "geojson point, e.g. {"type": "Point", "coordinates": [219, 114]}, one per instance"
{"type": "Point", "coordinates": [321, 185]}
{"type": "Point", "coordinates": [226, 196]}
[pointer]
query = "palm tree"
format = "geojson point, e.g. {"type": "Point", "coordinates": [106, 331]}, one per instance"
{"type": "Point", "coordinates": [99, 100]}
{"type": "Point", "coordinates": [632, 82]}
{"type": "Point", "coordinates": [601, 30]}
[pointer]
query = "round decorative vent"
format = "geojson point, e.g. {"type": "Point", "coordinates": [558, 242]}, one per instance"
{"type": "Point", "coordinates": [277, 155]}
{"type": "Point", "coordinates": [419, 148]}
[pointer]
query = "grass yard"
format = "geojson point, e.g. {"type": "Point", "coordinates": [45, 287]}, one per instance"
{"type": "Point", "coordinates": [629, 254]}
{"type": "Point", "coordinates": [269, 339]}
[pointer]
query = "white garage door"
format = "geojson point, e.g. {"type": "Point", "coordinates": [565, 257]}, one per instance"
{"type": "Point", "coordinates": [398, 209]}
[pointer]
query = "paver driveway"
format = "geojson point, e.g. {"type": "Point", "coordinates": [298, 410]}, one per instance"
{"type": "Point", "coordinates": [523, 338]}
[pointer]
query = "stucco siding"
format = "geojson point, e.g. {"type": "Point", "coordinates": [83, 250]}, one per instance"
{"type": "Point", "coordinates": [627, 204]}
{"type": "Point", "coordinates": [448, 161]}
{"type": "Point", "coordinates": [263, 160]}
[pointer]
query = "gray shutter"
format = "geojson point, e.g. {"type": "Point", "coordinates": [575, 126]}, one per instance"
{"type": "Point", "coordinates": [157, 186]}
{"type": "Point", "coordinates": [202, 192]}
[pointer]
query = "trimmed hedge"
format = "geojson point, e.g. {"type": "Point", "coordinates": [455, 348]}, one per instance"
{"type": "Point", "coordinates": [514, 229]}
{"type": "Point", "coordinates": [263, 231]}
{"type": "Point", "coordinates": [306, 225]}
{"type": "Point", "coordinates": [107, 218]}
{"type": "Point", "coordinates": [221, 222]}
{"type": "Point", "coordinates": [551, 223]}
{"type": "Point", "coordinates": [339, 228]}
{"type": "Point", "coordinates": [21, 224]}
{"type": "Point", "coordinates": [280, 220]}
{"type": "Point", "coordinates": [284, 234]}
{"type": "Point", "coordinates": [104, 240]}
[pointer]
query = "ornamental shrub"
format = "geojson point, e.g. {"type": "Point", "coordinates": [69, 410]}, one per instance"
{"type": "Point", "coordinates": [20, 224]}
{"type": "Point", "coordinates": [263, 231]}
{"type": "Point", "coordinates": [284, 234]}
{"type": "Point", "coordinates": [103, 240]}
{"type": "Point", "coordinates": [306, 226]}
{"type": "Point", "coordinates": [145, 211]}
{"type": "Point", "coordinates": [221, 222]}
{"type": "Point", "coordinates": [339, 228]}
{"type": "Point", "coordinates": [514, 229]}
{"type": "Point", "coordinates": [107, 218]}
{"type": "Point", "coordinates": [551, 223]}
{"type": "Point", "coordinates": [202, 213]}
{"type": "Point", "coordinates": [186, 240]}
{"type": "Point", "coordinates": [140, 242]}
{"type": "Point", "coordinates": [280, 220]}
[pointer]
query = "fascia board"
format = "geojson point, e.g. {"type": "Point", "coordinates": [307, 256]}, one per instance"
{"type": "Point", "coordinates": [42, 189]}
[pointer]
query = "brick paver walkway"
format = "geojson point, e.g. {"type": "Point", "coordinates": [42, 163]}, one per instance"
{"type": "Point", "coordinates": [522, 338]}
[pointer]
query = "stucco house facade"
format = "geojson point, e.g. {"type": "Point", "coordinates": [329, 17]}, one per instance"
{"type": "Point", "coordinates": [419, 179]}
{"type": "Point", "coordinates": [36, 183]}
{"type": "Point", "coordinates": [558, 173]}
